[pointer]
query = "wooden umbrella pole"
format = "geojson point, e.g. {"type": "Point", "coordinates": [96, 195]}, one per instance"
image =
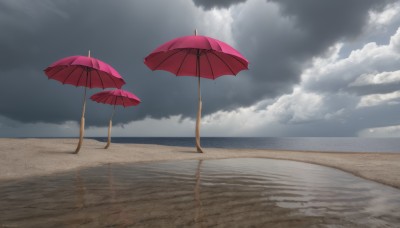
{"type": "Point", "coordinates": [198, 120]}
{"type": "Point", "coordinates": [109, 130]}
{"type": "Point", "coordinates": [199, 149]}
{"type": "Point", "coordinates": [82, 129]}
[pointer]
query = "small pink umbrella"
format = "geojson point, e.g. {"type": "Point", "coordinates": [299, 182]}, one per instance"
{"type": "Point", "coordinates": [198, 56]}
{"type": "Point", "coordinates": [84, 71]}
{"type": "Point", "coordinates": [115, 97]}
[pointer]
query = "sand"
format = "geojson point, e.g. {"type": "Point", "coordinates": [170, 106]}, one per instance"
{"type": "Point", "coordinates": [21, 158]}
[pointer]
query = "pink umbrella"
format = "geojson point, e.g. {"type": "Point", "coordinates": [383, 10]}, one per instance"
{"type": "Point", "coordinates": [84, 71]}
{"type": "Point", "coordinates": [198, 56]}
{"type": "Point", "coordinates": [115, 97]}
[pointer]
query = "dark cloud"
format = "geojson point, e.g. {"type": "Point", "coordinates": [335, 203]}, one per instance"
{"type": "Point", "coordinates": [210, 4]}
{"type": "Point", "coordinates": [329, 20]}
{"type": "Point", "coordinates": [119, 34]}
{"type": "Point", "coordinates": [280, 47]}
{"type": "Point", "coordinates": [36, 34]}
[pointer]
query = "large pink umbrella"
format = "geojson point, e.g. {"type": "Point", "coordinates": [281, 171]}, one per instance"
{"type": "Point", "coordinates": [115, 97]}
{"type": "Point", "coordinates": [87, 72]}
{"type": "Point", "coordinates": [198, 56]}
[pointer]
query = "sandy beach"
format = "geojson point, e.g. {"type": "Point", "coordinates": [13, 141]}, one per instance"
{"type": "Point", "coordinates": [21, 158]}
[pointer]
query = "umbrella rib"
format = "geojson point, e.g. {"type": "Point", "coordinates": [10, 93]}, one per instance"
{"type": "Point", "coordinates": [180, 66]}
{"type": "Point", "coordinates": [198, 63]}
{"type": "Point", "coordinates": [89, 74]}
{"type": "Point", "coordinates": [233, 73]}
{"type": "Point", "coordinates": [111, 98]}
{"type": "Point", "coordinates": [209, 63]}
{"type": "Point", "coordinates": [123, 102]}
{"type": "Point", "coordinates": [233, 56]}
{"type": "Point", "coordinates": [209, 43]}
{"type": "Point", "coordinates": [69, 75]}
{"type": "Point", "coordinates": [112, 79]}
{"type": "Point", "coordinates": [87, 77]}
{"type": "Point", "coordinates": [111, 76]}
{"type": "Point", "coordinates": [172, 44]}
{"type": "Point", "coordinates": [101, 80]}
{"type": "Point", "coordinates": [220, 48]}
{"type": "Point", "coordinates": [165, 59]}
{"type": "Point", "coordinates": [90, 78]}
{"type": "Point", "coordinates": [61, 68]}
{"type": "Point", "coordinates": [104, 99]}
{"type": "Point", "coordinates": [238, 59]}
{"type": "Point", "coordinates": [116, 98]}
{"type": "Point", "coordinates": [79, 79]}
{"type": "Point", "coordinates": [111, 102]}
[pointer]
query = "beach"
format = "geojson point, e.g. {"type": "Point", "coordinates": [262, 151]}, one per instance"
{"type": "Point", "coordinates": [21, 158]}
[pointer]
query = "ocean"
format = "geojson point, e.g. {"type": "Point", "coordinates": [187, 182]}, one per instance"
{"type": "Point", "coordinates": [325, 144]}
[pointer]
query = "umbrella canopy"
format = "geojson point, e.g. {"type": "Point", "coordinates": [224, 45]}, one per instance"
{"type": "Point", "coordinates": [197, 56]}
{"type": "Point", "coordinates": [115, 97]}
{"type": "Point", "coordinates": [200, 56]}
{"type": "Point", "coordinates": [84, 71]}
{"type": "Point", "coordinates": [87, 72]}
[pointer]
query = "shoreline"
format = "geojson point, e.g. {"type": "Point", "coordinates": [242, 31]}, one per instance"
{"type": "Point", "coordinates": [27, 157]}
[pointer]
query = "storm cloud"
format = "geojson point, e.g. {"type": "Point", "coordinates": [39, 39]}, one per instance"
{"type": "Point", "coordinates": [210, 4]}
{"type": "Point", "coordinates": [280, 38]}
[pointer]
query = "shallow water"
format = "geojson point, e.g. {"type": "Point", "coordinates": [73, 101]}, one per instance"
{"type": "Point", "coordinates": [211, 193]}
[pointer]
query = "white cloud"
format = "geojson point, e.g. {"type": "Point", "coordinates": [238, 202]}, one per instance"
{"type": "Point", "coordinates": [370, 65]}
{"type": "Point", "coordinates": [379, 99]}
{"type": "Point", "coordinates": [395, 42]}
{"type": "Point", "coordinates": [389, 131]}
{"type": "Point", "coordinates": [376, 79]}
{"type": "Point", "coordinates": [217, 23]}
{"type": "Point", "coordinates": [300, 106]}
{"type": "Point", "coordinates": [240, 122]}
{"type": "Point", "coordinates": [385, 17]}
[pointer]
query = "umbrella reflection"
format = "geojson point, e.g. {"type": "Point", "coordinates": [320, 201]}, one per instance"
{"type": "Point", "coordinates": [111, 184]}
{"type": "Point", "coordinates": [80, 191]}
{"type": "Point", "coordinates": [199, 206]}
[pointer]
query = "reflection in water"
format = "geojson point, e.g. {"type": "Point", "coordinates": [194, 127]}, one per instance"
{"type": "Point", "coordinates": [228, 192]}
{"type": "Point", "coordinates": [199, 206]}
{"type": "Point", "coordinates": [80, 191]}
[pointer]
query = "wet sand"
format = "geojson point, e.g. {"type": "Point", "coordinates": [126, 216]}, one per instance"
{"type": "Point", "coordinates": [34, 157]}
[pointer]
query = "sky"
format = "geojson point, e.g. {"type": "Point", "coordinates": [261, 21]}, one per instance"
{"type": "Point", "coordinates": [317, 68]}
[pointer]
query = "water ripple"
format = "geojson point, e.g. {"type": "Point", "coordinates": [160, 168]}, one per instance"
{"type": "Point", "coordinates": [212, 193]}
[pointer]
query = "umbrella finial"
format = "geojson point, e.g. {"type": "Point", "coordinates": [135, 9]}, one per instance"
{"type": "Point", "coordinates": [89, 54]}
{"type": "Point", "coordinates": [195, 32]}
